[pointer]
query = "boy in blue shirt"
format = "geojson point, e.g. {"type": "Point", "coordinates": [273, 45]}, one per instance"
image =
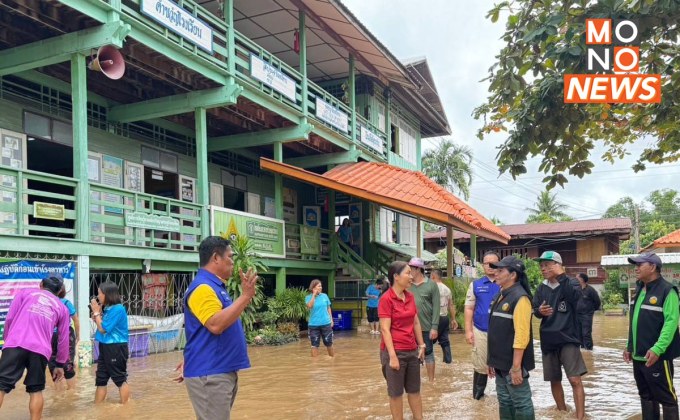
{"type": "Point", "coordinates": [373, 294]}
{"type": "Point", "coordinates": [74, 329]}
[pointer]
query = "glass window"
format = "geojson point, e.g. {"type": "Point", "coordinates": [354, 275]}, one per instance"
{"type": "Point", "coordinates": [37, 125]}
{"type": "Point", "coordinates": [62, 132]}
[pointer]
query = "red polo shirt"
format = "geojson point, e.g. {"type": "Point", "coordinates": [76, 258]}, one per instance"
{"type": "Point", "coordinates": [402, 313]}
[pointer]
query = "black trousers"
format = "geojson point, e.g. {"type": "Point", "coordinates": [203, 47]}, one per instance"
{"type": "Point", "coordinates": [443, 332]}
{"type": "Point", "coordinates": [655, 383]}
{"type": "Point", "coordinates": [586, 330]}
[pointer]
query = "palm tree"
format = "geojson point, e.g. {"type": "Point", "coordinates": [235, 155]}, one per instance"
{"type": "Point", "coordinates": [449, 165]}
{"type": "Point", "coordinates": [547, 210]}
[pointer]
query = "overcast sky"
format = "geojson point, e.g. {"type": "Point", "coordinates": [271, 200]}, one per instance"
{"type": "Point", "coordinates": [460, 45]}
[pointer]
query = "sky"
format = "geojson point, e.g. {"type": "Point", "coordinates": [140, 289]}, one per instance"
{"type": "Point", "coordinates": [460, 45]}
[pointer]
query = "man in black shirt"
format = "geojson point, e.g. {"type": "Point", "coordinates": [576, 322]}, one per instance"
{"type": "Point", "coordinates": [555, 304]}
{"type": "Point", "coordinates": [587, 305]}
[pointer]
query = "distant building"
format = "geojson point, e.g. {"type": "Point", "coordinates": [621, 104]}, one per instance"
{"type": "Point", "coordinates": [668, 243]}
{"type": "Point", "coordinates": [581, 243]}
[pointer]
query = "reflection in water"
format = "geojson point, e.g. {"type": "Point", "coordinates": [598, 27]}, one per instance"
{"type": "Point", "coordinates": [285, 383]}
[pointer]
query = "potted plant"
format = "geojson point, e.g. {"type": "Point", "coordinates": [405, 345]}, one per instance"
{"type": "Point", "coordinates": [612, 305]}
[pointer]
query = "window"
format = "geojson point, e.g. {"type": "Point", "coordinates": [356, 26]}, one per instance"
{"type": "Point", "coordinates": [381, 117]}
{"type": "Point", "coordinates": [159, 159]}
{"type": "Point", "coordinates": [46, 128]}
{"type": "Point", "coordinates": [407, 142]}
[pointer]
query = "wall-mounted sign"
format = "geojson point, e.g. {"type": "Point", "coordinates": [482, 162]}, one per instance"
{"type": "Point", "coordinates": [49, 211]}
{"type": "Point", "coordinates": [266, 234]}
{"type": "Point", "coordinates": [151, 221]}
{"type": "Point", "coordinates": [310, 239]}
{"type": "Point", "coordinates": [272, 77]}
{"type": "Point", "coordinates": [372, 140]}
{"type": "Point", "coordinates": [332, 116]}
{"type": "Point", "coordinates": [592, 271]}
{"type": "Point", "coordinates": [178, 20]}
{"type": "Point", "coordinates": [312, 216]}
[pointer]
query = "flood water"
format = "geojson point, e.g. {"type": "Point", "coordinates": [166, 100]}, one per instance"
{"type": "Point", "coordinates": [285, 383]}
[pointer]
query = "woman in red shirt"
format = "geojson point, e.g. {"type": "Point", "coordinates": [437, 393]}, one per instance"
{"type": "Point", "coordinates": [400, 356]}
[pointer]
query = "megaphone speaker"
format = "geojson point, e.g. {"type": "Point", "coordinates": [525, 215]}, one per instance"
{"type": "Point", "coordinates": [108, 61]}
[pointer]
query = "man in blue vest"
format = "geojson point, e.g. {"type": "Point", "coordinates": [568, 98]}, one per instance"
{"type": "Point", "coordinates": [477, 303]}
{"type": "Point", "coordinates": [216, 346]}
{"type": "Point", "coordinates": [653, 339]}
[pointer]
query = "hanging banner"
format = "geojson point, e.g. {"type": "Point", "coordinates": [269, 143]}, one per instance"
{"type": "Point", "coordinates": [312, 216]}
{"type": "Point", "coordinates": [335, 117]}
{"type": "Point", "coordinates": [266, 234]}
{"type": "Point", "coordinates": [26, 274]}
{"type": "Point", "coordinates": [311, 240]}
{"type": "Point", "coordinates": [272, 77]}
{"type": "Point", "coordinates": [371, 139]}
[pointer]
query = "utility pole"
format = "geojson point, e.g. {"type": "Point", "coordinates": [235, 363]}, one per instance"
{"type": "Point", "coordinates": [637, 229]}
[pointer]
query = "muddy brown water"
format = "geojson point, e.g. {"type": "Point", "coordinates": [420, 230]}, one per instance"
{"type": "Point", "coordinates": [285, 383]}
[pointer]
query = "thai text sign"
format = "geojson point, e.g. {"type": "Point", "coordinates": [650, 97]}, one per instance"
{"type": "Point", "coordinates": [332, 116]}
{"type": "Point", "coordinates": [371, 139]}
{"type": "Point", "coordinates": [151, 221]}
{"type": "Point", "coordinates": [26, 274]}
{"type": "Point", "coordinates": [265, 233]}
{"type": "Point", "coordinates": [178, 20]}
{"type": "Point", "coordinates": [48, 211]}
{"type": "Point", "coordinates": [272, 77]}
{"type": "Point", "coordinates": [612, 47]}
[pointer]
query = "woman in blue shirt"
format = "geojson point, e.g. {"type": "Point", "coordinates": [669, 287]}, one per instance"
{"type": "Point", "coordinates": [112, 335]}
{"type": "Point", "coordinates": [320, 318]}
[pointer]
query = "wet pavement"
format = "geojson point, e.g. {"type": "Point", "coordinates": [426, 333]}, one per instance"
{"type": "Point", "coordinates": [285, 383]}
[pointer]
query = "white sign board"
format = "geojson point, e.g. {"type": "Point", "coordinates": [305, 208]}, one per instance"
{"type": "Point", "coordinates": [372, 140]}
{"type": "Point", "coordinates": [178, 20]}
{"type": "Point", "coordinates": [332, 116]}
{"type": "Point", "coordinates": [272, 77]}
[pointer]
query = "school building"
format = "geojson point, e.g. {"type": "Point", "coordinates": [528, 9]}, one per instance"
{"type": "Point", "coordinates": [130, 130]}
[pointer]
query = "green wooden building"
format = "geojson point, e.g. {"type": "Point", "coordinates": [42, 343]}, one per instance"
{"type": "Point", "coordinates": [231, 116]}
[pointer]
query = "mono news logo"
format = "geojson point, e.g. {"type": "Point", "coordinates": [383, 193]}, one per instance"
{"type": "Point", "coordinates": [613, 58]}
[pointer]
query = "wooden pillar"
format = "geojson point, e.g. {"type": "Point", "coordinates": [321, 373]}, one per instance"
{"type": "Point", "coordinates": [388, 120]}
{"type": "Point", "coordinates": [228, 13]}
{"type": "Point", "coordinates": [419, 238]}
{"type": "Point", "coordinates": [278, 181]}
{"type": "Point", "coordinates": [79, 121]}
{"type": "Point", "coordinates": [202, 181]}
{"type": "Point", "coordinates": [280, 279]}
{"type": "Point", "coordinates": [302, 33]}
{"type": "Point", "coordinates": [352, 102]}
{"type": "Point", "coordinates": [473, 248]}
{"type": "Point", "coordinates": [449, 252]}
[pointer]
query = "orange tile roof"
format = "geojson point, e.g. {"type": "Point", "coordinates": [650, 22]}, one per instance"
{"type": "Point", "coordinates": [404, 190]}
{"type": "Point", "coordinates": [670, 240]}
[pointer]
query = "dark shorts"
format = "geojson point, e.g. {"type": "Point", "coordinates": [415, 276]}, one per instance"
{"type": "Point", "coordinates": [372, 314]}
{"type": "Point", "coordinates": [12, 364]}
{"type": "Point", "coordinates": [325, 333]}
{"type": "Point", "coordinates": [112, 364]}
{"type": "Point", "coordinates": [69, 367]}
{"type": "Point", "coordinates": [407, 378]}
{"type": "Point", "coordinates": [568, 356]}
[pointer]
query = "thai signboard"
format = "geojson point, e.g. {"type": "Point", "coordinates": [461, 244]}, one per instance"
{"type": "Point", "coordinates": [371, 139]}
{"type": "Point", "coordinates": [311, 240]}
{"type": "Point", "coordinates": [48, 211]}
{"type": "Point", "coordinates": [151, 221]}
{"type": "Point", "coordinates": [267, 234]}
{"type": "Point", "coordinates": [178, 20]}
{"type": "Point", "coordinates": [26, 274]}
{"type": "Point", "coordinates": [272, 77]}
{"type": "Point", "coordinates": [670, 272]}
{"type": "Point", "coordinates": [332, 116]}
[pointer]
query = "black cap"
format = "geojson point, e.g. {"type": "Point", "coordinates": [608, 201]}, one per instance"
{"type": "Point", "coordinates": [646, 257]}
{"type": "Point", "coordinates": [509, 262]}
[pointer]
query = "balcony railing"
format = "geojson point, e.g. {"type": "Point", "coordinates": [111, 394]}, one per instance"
{"type": "Point", "coordinates": [294, 245]}
{"type": "Point", "coordinates": [111, 210]}
{"type": "Point", "coordinates": [244, 49]}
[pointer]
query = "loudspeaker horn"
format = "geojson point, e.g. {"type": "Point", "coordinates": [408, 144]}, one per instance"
{"type": "Point", "coordinates": [108, 61]}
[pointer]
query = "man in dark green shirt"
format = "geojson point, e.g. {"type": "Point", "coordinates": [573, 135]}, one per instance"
{"type": "Point", "coordinates": [426, 293]}
{"type": "Point", "coordinates": [653, 339]}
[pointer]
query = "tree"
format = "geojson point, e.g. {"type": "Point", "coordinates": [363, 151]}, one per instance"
{"type": "Point", "coordinates": [547, 210]}
{"type": "Point", "coordinates": [449, 165]}
{"type": "Point", "coordinates": [496, 221]}
{"type": "Point", "coordinates": [545, 40]}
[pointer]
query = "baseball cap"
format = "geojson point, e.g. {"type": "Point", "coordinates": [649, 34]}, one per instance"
{"type": "Point", "coordinates": [550, 256]}
{"type": "Point", "coordinates": [509, 262]}
{"type": "Point", "coordinates": [648, 257]}
{"type": "Point", "coordinates": [416, 262]}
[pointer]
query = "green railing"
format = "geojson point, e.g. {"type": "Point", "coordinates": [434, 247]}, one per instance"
{"type": "Point", "coordinates": [352, 262]}
{"type": "Point", "coordinates": [108, 209]}
{"type": "Point", "coordinates": [294, 244]}
{"type": "Point", "coordinates": [26, 194]}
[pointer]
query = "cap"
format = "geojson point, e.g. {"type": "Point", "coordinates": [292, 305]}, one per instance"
{"type": "Point", "coordinates": [416, 262]}
{"type": "Point", "coordinates": [648, 257]}
{"type": "Point", "coordinates": [550, 256]}
{"type": "Point", "coordinates": [509, 262]}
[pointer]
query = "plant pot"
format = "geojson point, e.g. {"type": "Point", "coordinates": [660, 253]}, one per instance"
{"type": "Point", "coordinates": [614, 312]}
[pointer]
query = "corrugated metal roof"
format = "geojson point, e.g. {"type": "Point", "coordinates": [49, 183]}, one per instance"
{"type": "Point", "coordinates": [618, 260]}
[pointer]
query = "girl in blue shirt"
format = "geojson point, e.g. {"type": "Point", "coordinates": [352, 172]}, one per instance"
{"type": "Point", "coordinates": [112, 335]}
{"type": "Point", "coordinates": [74, 331]}
{"type": "Point", "coordinates": [320, 318]}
